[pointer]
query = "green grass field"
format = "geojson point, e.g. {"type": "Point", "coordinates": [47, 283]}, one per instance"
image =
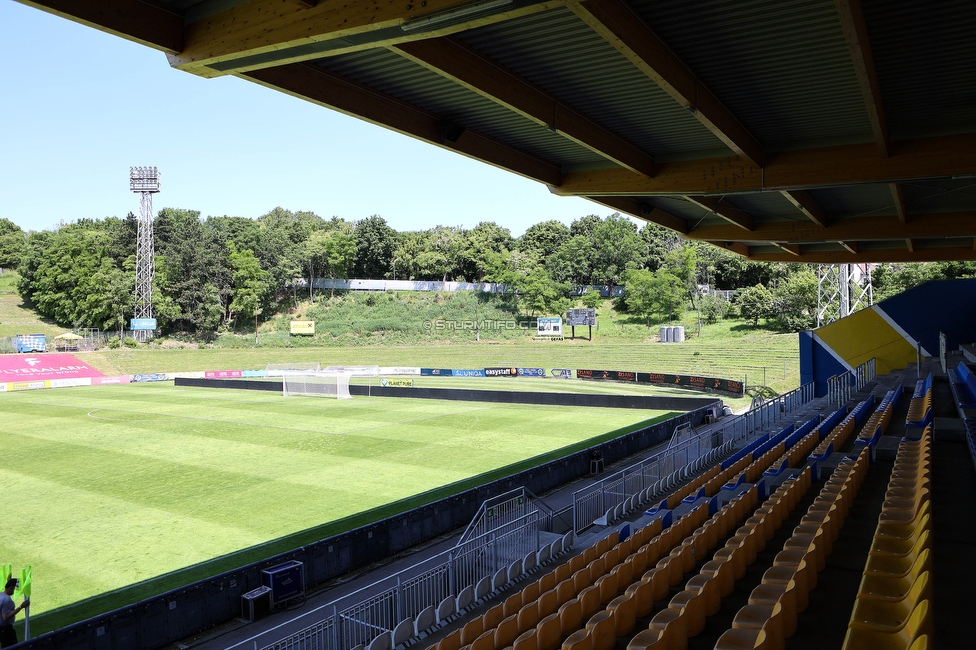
{"type": "Point", "coordinates": [109, 487]}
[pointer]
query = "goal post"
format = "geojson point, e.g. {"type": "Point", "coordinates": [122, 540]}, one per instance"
{"type": "Point", "coordinates": [314, 380]}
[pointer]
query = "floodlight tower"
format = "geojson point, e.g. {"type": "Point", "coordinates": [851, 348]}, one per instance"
{"type": "Point", "coordinates": [145, 182]}
{"type": "Point", "coordinates": [842, 289]}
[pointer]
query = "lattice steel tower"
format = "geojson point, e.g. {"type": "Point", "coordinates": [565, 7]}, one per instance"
{"type": "Point", "coordinates": [842, 289]}
{"type": "Point", "coordinates": [145, 182]}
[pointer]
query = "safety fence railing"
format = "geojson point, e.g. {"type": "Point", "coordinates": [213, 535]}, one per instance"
{"type": "Point", "coordinates": [498, 511]}
{"type": "Point", "coordinates": [841, 388]}
{"type": "Point", "coordinates": [358, 618]}
{"type": "Point", "coordinates": [684, 455]}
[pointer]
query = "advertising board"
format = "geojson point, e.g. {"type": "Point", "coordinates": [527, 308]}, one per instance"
{"type": "Point", "coordinates": [136, 324]}
{"type": "Point", "coordinates": [608, 375]}
{"type": "Point", "coordinates": [692, 381]}
{"type": "Point", "coordinates": [562, 373]}
{"type": "Point", "coordinates": [15, 367]}
{"type": "Point", "coordinates": [500, 372]}
{"type": "Point", "coordinates": [302, 327]}
{"type": "Point", "coordinates": [396, 382]}
{"type": "Point", "coordinates": [549, 326]}
{"type": "Point", "coordinates": [436, 372]}
{"type": "Point", "coordinates": [531, 372]}
{"type": "Point", "coordinates": [224, 374]}
{"type": "Point", "coordinates": [478, 372]}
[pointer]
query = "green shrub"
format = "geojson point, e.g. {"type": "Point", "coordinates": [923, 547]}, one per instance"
{"type": "Point", "coordinates": [130, 343]}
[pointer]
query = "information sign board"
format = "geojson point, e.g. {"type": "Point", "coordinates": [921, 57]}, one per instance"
{"type": "Point", "coordinates": [137, 324]}
{"type": "Point", "coordinates": [550, 326]}
{"type": "Point", "coordinates": [582, 316]}
{"type": "Point", "coordinates": [302, 327]}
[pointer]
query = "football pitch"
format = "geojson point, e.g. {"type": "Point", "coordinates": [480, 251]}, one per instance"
{"type": "Point", "coordinates": [114, 493]}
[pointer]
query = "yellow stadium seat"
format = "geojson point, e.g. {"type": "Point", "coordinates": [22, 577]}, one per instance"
{"type": "Point", "coordinates": [549, 632]}
{"type": "Point", "coordinates": [579, 640]}
{"type": "Point", "coordinates": [889, 616]}
{"type": "Point", "coordinates": [918, 623]}
{"type": "Point", "coordinates": [570, 617]}
{"type": "Point", "coordinates": [601, 626]}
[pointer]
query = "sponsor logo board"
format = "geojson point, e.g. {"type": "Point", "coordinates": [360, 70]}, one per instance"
{"type": "Point", "coordinates": [14, 367]}
{"type": "Point", "coordinates": [28, 385]}
{"type": "Point", "coordinates": [500, 372]}
{"type": "Point", "coordinates": [549, 326]}
{"type": "Point", "coordinates": [531, 372]}
{"type": "Point", "coordinates": [155, 376]}
{"type": "Point", "coordinates": [436, 372]}
{"type": "Point", "coordinates": [142, 324]}
{"type": "Point", "coordinates": [399, 370]}
{"type": "Point", "coordinates": [75, 381]}
{"type": "Point", "coordinates": [223, 374]}
{"type": "Point", "coordinates": [396, 382]}
{"type": "Point", "coordinates": [302, 327]}
{"type": "Point", "coordinates": [562, 373]}
{"type": "Point", "coordinates": [102, 381]}
{"type": "Point", "coordinates": [479, 372]}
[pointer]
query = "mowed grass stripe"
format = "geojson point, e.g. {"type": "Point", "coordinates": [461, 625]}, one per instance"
{"type": "Point", "coordinates": [179, 477]}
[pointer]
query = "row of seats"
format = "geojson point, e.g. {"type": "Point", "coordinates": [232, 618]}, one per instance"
{"type": "Point", "coordinates": [619, 617]}
{"type": "Point", "coordinates": [877, 424]}
{"type": "Point", "coordinates": [962, 381]}
{"type": "Point", "coordinates": [436, 615]}
{"type": "Point", "coordinates": [627, 506]}
{"type": "Point", "coordinates": [771, 613]}
{"type": "Point", "coordinates": [686, 612]}
{"type": "Point", "coordinates": [893, 606]}
{"type": "Point", "coordinates": [920, 409]}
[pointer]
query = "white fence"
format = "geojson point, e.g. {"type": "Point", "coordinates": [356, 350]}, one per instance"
{"type": "Point", "coordinates": [628, 488]}
{"type": "Point", "coordinates": [495, 550]}
{"type": "Point", "coordinates": [841, 388]}
{"type": "Point", "coordinates": [435, 285]}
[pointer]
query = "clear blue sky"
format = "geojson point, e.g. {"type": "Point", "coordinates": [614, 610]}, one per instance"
{"type": "Point", "coordinates": [78, 107]}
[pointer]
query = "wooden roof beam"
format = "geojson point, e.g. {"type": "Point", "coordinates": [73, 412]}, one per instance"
{"type": "Point", "coordinates": [732, 215]}
{"type": "Point", "coordinates": [805, 204]}
{"type": "Point", "coordinates": [148, 24]}
{"type": "Point", "coordinates": [898, 196]}
{"type": "Point", "coordinates": [266, 33]}
{"type": "Point", "coordinates": [942, 225]}
{"type": "Point", "coordinates": [856, 34]}
{"type": "Point", "coordinates": [939, 157]}
{"type": "Point", "coordinates": [792, 249]}
{"type": "Point", "coordinates": [899, 254]}
{"type": "Point", "coordinates": [456, 61]}
{"type": "Point", "coordinates": [736, 247]}
{"type": "Point", "coordinates": [643, 211]}
{"type": "Point", "coordinates": [332, 90]}
{"type": "Point", "coordinates": [910, 245]}
{"type": "Point", "coordinates": [627, 32]}
{"type": "Point", "coordinates": [850, 246]}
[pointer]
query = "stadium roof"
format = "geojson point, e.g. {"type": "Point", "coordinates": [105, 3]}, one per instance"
{"type": "Point", "coordinates": [782, 130]}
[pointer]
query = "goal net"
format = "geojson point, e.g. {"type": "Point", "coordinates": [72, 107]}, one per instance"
{"type": "Point", "coordinates": [313, 379]}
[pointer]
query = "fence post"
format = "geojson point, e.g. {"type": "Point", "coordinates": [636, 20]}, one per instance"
{"type": "Point", "coordinates": [337, 628]}
{"type": "Point", "coordinates": [399, 590]}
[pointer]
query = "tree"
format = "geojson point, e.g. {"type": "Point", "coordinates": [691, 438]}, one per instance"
{"type": "Point", "coordinates": [12, 242]}
{"type": "Point", "coordinates": [713, 309]}
{"type": "Point", "coordinates": [572, 261]}
{"type": "Point", "coordinates": [375, 245]}
{"type": "Point", "coordinates": [658, 242]}
{"type": "Point", "coordinates": [795, 303]}
{"type": "Point", "coordinates": [480, 249]}
{"type": "Point", "coordinates": [653, 292]}
{"type": "Point", "coordinates": [543, 239]}
{"type": "Point", "coordinates": [540, 294]}
{"type": "Point", "coordinates": [250, 284]}
{"type": "Point", "coordinates": [755, 302]}
{"type": "Point", "coordinates": [617, 248]}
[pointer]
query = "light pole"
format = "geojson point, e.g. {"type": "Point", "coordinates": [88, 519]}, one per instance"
{"type": "Point", "coordinates": [145, 182]}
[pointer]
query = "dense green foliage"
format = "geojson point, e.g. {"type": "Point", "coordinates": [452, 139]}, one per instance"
{"type": "Point", "coordinates": [225, 273]}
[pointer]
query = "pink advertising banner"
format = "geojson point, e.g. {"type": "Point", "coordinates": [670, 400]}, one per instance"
{"type": "Point", "coordinates": [102, 381]}
{"type": "Point", "coordinates": [28, 367]}
{"type": "Point", "coordinates": [224, 374]}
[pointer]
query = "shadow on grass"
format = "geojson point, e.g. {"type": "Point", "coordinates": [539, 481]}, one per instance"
{"type": "Point", "coordinates": [106, 602]}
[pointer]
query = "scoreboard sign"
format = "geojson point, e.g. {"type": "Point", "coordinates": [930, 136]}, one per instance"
{"type": "Point", "coordinates": [583, 316]}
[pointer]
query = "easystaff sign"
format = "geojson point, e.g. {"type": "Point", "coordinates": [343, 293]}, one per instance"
{"type": "Point", "coordinates": [501, 372]}
{"type": "Point", "coordinates": [690, 381]}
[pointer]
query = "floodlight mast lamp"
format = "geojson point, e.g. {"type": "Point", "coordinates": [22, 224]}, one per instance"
{"type": "Point", "coordinates": [145, 182]}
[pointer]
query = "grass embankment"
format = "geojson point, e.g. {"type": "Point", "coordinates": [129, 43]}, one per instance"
{"type": "Point", "coordinates": [122, 492]}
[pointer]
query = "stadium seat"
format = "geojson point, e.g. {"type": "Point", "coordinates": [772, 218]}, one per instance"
{"type": "Point", "coordinates": [514, 570]}
{"type": "Point", "coordinates": [547, 603]}
{"type": "Point", "coordinates": [642, 592]}
{"type": "Point", "coordinates": [579, 640]}
{"type": "Point", "coordinates": [570, 616]}
{"type": "Point", "coordinates": [527, 617]}
{"type": "Point", "coordinates": [465, 598]}
{"type": "Point", "coordinates": [890, 616]}
{"type": "Point", "coordinates": [601, 626]}
{"type": "Point", "coordinates": [381, 642]}
{"type": "Point", "coordinates": [445, 610]}
{"type": "Point", "coordinates": [512, 604]}
{"type": "Point", "coordinates": [483, 588]}
{"type": "Point", "coordinates": [450, 642]}
{"type": "Point", "coordinates": [485, 641]}
{"type": "Point", "coordinates": [506, 632]}
{"type": "Point", "coordinates": [403, 632]}
{"type": "Point", "coordinates": [529, 563]}
{"type": "Point", "coordinates": [472, 630]}
{"type": "Point", "coordinates": [549, 632]}
{"type": "Point", "coordinates": [918, 623]}
{"type": "Point", "coordinates": [528, 640]}
{"type": "Point", "coordinates": [500, 579]}
{"type": "Point", "coordinates": [494, 616]}
{"type": "Point", "coordinates": [624, 614]}
{"type": "Point", "coordinates": [426, 619]}
{"type": "Point", "coordinates": [763, 619]}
